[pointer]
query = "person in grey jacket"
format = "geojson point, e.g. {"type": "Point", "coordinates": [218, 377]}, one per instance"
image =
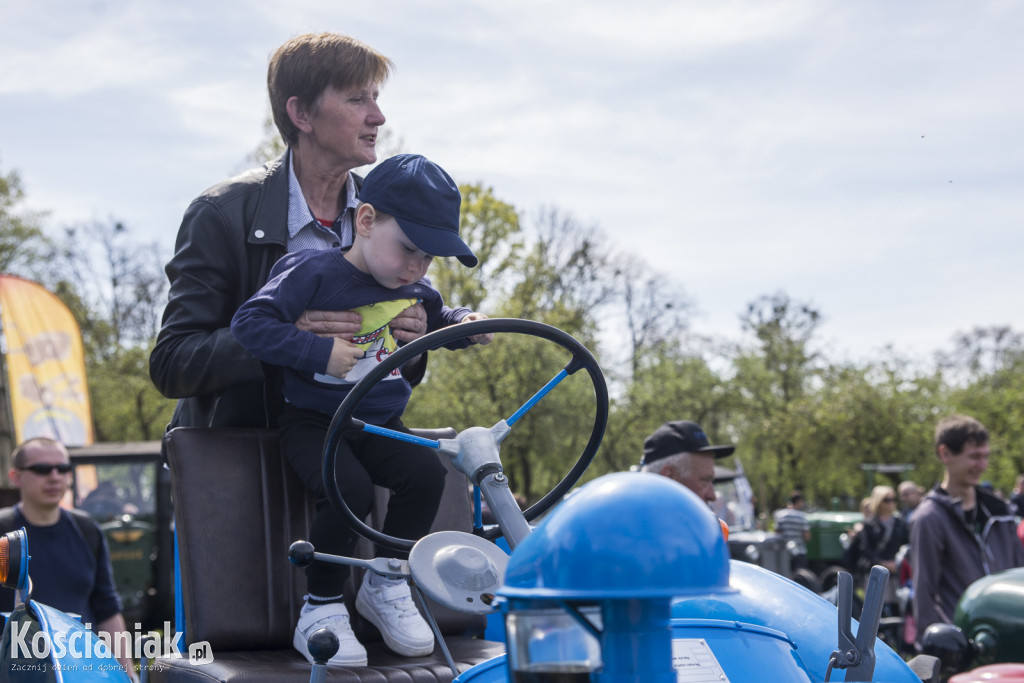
{"type": "Point", "coordinates": [959, 532]}
{"type": "Point", "coordinates": [323, 93]}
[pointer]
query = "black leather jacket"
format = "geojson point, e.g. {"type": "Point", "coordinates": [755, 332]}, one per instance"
{"type": "Point", "coordinates": [229, 239]}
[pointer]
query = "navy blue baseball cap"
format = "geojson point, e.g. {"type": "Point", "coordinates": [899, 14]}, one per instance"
{"type": "Point", "coordinates": [423, 199]}
{"type": "Point", "coordinates": [681, 436]}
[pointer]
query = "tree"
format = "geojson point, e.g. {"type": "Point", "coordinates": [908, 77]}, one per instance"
{"type": "Point", "coordinates": [984, 351]}
{"type": "Point", "coordinates": [491, 229]}
{"type": "Point", "coordinates": [21, 240]}
{"type": "Point", "coordinates": [881, 412]}
{"type": "Point", "coordinates": [774, 378]}
{"type": "Point", "coordinates": [783, 329]}
{"type": "Point", "coordinates": [985, 374]}
{"type": "Point", "coordinates": [116, 290]}
{"type": "Point", "coordinates": [669, 382]}
{"type": "Point", "coordinates": [655, 309]}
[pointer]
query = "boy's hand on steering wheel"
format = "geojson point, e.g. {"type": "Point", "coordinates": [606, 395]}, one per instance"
{"type": "Point", "coordinates": [478, 338]}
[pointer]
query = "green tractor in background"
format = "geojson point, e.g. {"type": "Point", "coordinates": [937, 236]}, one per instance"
{"type": "Point", "coordinates": [829, 529]}
{"type": "Point", "coordinates": [126, 489]}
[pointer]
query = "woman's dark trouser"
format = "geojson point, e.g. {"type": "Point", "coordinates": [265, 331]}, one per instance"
{"type": "Point", "coordinates": [413, 473]}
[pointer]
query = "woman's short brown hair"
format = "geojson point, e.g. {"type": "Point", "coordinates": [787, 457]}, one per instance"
{"type": "Point", "coordinates": [307, 65]}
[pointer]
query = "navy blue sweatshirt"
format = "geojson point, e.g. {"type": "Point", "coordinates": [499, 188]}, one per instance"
{"type": "Point", "coordinates": [324, 280]}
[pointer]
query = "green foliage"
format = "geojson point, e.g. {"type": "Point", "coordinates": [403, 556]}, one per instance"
{"type": "Point", "coordinates": [21, 240]}
{"type": "Point", "coordinates": [125, 404]}
{"type": "Point", "coordinates": [116, 290]}
{"type": "Point", "coordinates": [491, 229]}
{"type": "Point", "coordinates": [989, 387]}
{"type": "Point", "coordinates": [668, 384]}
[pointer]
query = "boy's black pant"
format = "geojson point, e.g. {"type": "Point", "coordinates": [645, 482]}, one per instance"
{"type": "Point", "coordinates": [413, 473]}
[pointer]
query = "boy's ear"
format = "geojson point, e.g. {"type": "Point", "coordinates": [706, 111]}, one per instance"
{"type": "Point", "coordinates": [365, 216]}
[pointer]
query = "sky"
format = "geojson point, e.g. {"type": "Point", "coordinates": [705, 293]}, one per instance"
{"type": "Point", "coordinates": [863, 157]}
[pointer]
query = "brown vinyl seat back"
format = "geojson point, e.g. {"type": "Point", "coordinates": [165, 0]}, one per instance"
{"type": "Point", "coordinates": [238, 506]}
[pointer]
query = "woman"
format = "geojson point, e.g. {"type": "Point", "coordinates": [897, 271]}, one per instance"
{"type": "Point", "coordinates": [884, 533]}
{"type": "Point", "coordinates": [323, 94]}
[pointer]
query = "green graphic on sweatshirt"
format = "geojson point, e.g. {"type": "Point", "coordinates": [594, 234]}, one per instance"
{"type": "Point", "coordinates": [375, 332]}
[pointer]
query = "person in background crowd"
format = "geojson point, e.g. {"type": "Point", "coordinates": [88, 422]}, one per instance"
{"type": "Point", "coordinates": [71, 561]}
{"type": "Point", "coordinates": [851, 551]}
{"type": "Point", "coordinates": [910, 497]}
{"type": "Point", "coordinates": [680, 451]}
{"type": "Point", "coordinates": [792, 524]}
{"type": "Point", "coordinates": [1017, 496]}
{"type": "Point", "coordinates": [884, 533]}
{"type": "Point", "coordinates": [960, 532]}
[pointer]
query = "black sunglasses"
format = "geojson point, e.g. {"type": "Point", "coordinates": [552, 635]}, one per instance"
{"type": "Point", "coordinates": [888, 499]}
{"type": "Point", "coordinates": [43, 470]}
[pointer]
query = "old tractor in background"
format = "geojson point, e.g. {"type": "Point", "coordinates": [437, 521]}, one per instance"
{"type": "Point", "coordinates": [126, 488]}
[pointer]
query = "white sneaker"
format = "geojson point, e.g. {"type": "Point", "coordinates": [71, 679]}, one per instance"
{"type": "Point", "coordinates": [333, 616]}
{"type": "Point", "coordinates": [390, 608]}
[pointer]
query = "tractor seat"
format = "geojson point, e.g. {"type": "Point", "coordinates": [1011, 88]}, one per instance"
{"type": "Point", "coordinates": [238, 506]}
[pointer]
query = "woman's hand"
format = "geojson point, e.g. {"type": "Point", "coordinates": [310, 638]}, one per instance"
{"type": "Point", "coordinates": [338, 324]}
{"type": "Point", "coordinates": [410, 324]}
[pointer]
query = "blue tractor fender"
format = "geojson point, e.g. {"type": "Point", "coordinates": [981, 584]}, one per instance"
{"type": "Point", "coordinates": [765, 599]}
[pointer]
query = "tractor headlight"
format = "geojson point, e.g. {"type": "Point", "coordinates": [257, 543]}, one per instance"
{"type": "Point", "coordinates": [551, 641]}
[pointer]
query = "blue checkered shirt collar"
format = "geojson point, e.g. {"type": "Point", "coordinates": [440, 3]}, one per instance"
{"type": "Point", "coordinates": [304, 230]}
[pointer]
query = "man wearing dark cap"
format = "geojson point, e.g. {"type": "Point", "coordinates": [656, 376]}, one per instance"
{"type": "Point", "coordinates": [680, 450]}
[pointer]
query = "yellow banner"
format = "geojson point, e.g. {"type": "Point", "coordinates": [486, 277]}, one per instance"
{"type": "Point", "coordinates": [45, 365]}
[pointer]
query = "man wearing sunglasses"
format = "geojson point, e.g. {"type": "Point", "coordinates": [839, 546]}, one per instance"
{"type": "Point", "coordinates": [70, 560]}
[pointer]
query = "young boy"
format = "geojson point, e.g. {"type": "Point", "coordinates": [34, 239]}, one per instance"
{"type": "Point", "coordinates": [408, 213]}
